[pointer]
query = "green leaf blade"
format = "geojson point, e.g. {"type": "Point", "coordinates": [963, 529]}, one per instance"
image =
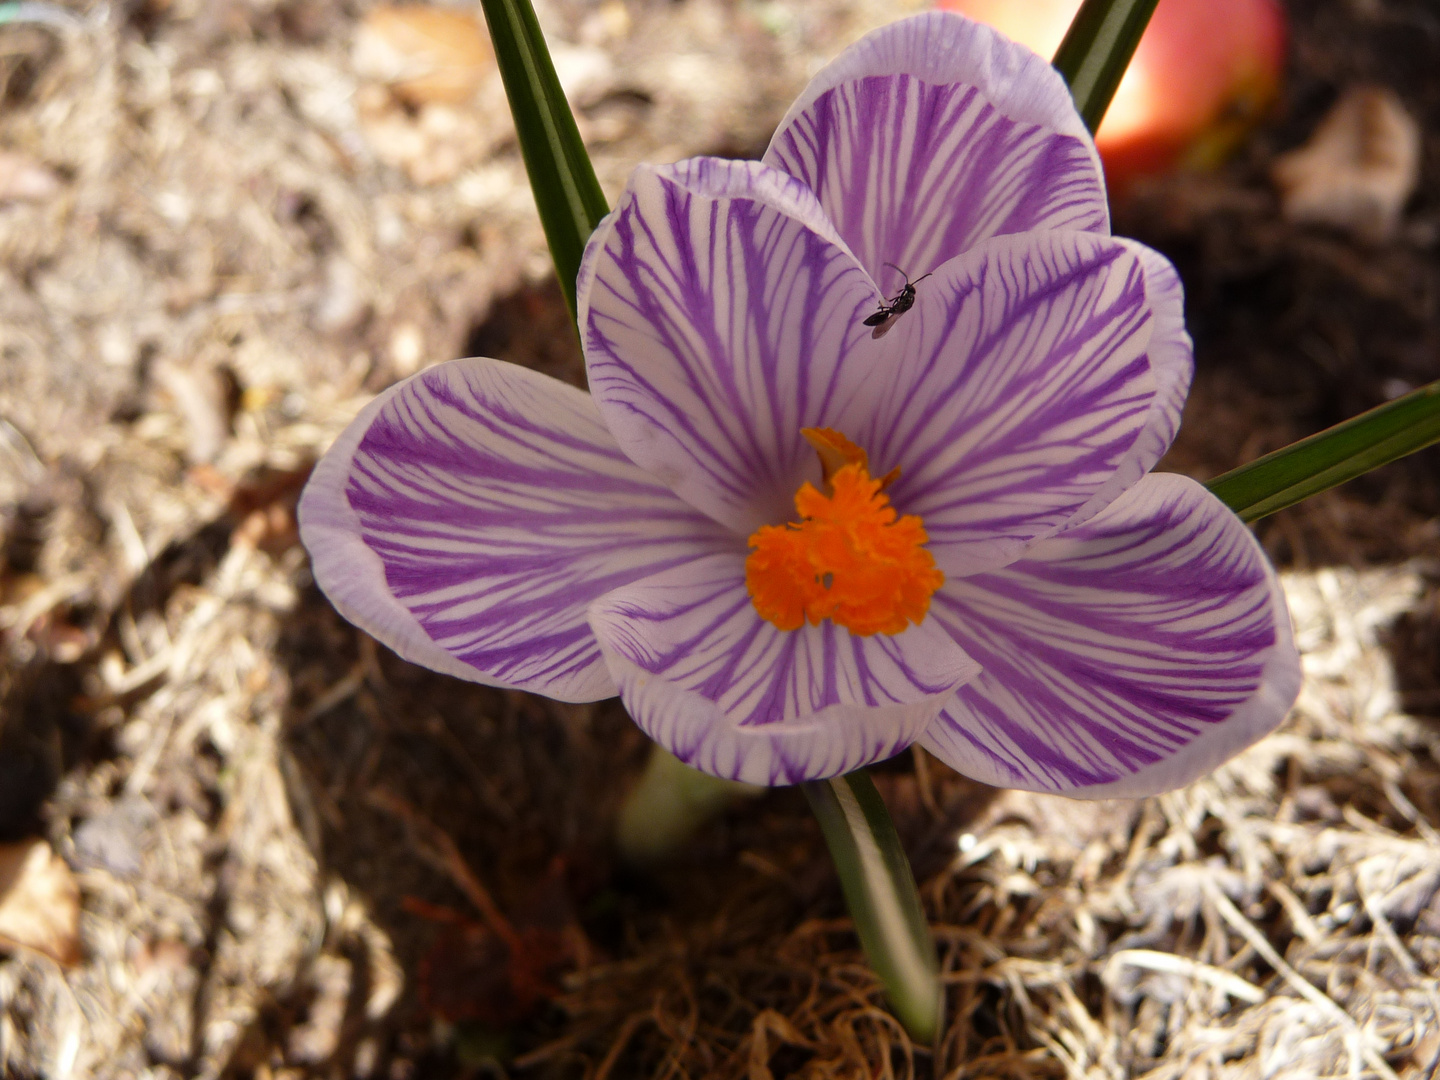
{"type": "Point", "coordinates": [880, 892]}
{"type": "Point", "coordinates": [1333, 456]}
{"type": "Point", "coordinates": [567, 193]}
{"type": "Point", "coordinates": [1097, 50]}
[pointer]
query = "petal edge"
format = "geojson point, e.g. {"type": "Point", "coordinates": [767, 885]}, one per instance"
{"type": "Point", "coordinates": [936, 133]}
{"type": "Point", "coordinates": [468, 515]}
{"type": "Point", "coordinates": [1172, 362]}
{"type": "Point", "coordinates": [1124, 658]}
{"type": "Point", "coordinates": [735, 697]}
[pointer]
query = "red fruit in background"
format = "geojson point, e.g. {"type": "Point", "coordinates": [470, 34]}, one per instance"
{"type": "Point", "coordinates": [1203, 75]}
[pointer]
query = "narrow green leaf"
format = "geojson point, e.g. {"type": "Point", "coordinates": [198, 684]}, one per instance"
{"type": "Point", "coordinates": [883, 900]}
{"type": "Point", "coordinates": [1333, 456]}
{"type": "Point", "coordinates": [1097, 50]}
{"type": "Point", "coordinates": [567, 195]}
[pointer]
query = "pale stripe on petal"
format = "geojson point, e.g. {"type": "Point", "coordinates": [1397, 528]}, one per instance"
{"type": "Point", "coordinates": [469, 515]}
{"type": "Point", "coordinates": [730, 694]}
{"type": "Point", "coordinates": [1127, 656]}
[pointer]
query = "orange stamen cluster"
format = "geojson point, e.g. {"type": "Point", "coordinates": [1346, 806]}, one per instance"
{"type": "Point", "coordinates": [849, 558]}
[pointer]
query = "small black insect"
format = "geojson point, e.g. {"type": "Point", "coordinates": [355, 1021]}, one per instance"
{"type": "Point", "coordinates": [900, 303]}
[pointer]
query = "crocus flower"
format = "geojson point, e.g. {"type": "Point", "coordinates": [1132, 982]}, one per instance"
{"type": "Point", "coordinates": [796, 537]}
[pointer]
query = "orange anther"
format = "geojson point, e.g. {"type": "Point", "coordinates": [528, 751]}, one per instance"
{"type": "Point", "coordinates": [849, 558]}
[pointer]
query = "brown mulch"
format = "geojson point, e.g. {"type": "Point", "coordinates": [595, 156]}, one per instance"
{"type": "Point", "coordinates": [299, 856]}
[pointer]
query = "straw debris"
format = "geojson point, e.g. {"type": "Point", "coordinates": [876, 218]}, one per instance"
{"type": "Point", "coordinates": [297, 856]}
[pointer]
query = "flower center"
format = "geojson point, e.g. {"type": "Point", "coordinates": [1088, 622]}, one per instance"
{"type": "Point", "coordinates": [849, 558]}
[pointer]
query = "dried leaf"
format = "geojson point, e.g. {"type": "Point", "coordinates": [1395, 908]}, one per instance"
{"type": "Point", "coordinates": [426, 55]}
{"type": "Point", "coordinates": [1358, 169]}
{"type": "Point", "coordinates": [39, 902]}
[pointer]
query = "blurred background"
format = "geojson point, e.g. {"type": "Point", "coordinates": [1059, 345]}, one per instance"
{"type": "Point", "coordinates": [237, 838]}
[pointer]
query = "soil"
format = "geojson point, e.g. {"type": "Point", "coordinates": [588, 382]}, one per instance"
{"type": "Point", "coordinates": [300, 856]}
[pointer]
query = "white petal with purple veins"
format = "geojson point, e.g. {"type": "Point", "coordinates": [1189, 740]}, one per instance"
{"type": "Point", "coordinates": [720, 315]}
{"type": "Point", "coordinates": [730, 694]}
{"type": "Point", "coordinates": [469, 515]}
{"type": "Point", "coordinates": [1012, 392]}
{"type": "Point", "coordinates": [935, 133]}
{"type": "Point", "coordinates": [1125, 657]}
{"type": "Point", "coordinates": [1172, 361]}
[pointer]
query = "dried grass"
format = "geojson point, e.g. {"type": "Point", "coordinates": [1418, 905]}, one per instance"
{"type": "Point", "coordinates": [225, 276]}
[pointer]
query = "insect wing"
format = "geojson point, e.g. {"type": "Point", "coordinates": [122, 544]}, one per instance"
{"type": "Point", "coordinates": [883, 325]}
{"type": "Point", "coordinates": [878, 318]}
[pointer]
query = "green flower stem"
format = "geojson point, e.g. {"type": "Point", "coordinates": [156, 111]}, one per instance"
{"type": "Point", "coordinates": [663, 811]}
{"type": "Point", "coordinates": [1097, 50]}
{"type": "Point", "coordinates": [1333, 456]}
{"type": "Point", "coordinates": [567, 195]}
{"type": "Point", "coordinates": [880, 892]}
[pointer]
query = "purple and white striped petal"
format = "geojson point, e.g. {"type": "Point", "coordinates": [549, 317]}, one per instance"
{"type": "Point", "coordinates": [720, 315]}
{"type": "Point", "coordinates": [1172, 361]}
{"type": "Point", "coordinates": [1013, 391]}
{"type": "Point", "coordinates": [730, 694]}
{"type": "Point", "coordinates": [1125, 657]}
{"type": "Point", "coordinates": [936, 133]}
{"type": "Point", "coordinates": [469, 515]}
